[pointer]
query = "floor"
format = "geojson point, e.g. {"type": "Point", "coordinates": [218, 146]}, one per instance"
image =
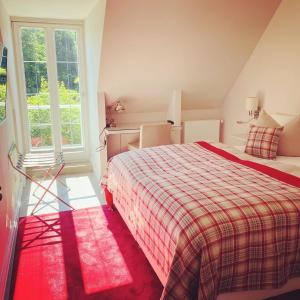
{"type": "Point", "coordinates": [84, 191]}
{"type": "Point", "coordinates": [85, 254]}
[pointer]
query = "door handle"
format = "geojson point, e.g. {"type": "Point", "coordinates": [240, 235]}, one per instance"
{"type": "Point", "coordinates": [0, 194]}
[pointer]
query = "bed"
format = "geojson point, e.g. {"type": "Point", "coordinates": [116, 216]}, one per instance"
{"type": "Point", "coordinates": [210, 219]}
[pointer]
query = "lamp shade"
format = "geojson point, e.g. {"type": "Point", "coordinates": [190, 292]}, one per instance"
{"type": "Point", "coordinates": [119, 107]}
{"type": "Point", "coordinates": [251, 104]}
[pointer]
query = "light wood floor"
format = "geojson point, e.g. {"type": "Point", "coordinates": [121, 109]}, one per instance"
{"type": "Point", "coordinates": [84, 192]}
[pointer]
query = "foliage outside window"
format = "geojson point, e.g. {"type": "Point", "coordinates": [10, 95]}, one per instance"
{"type": "Point", "coordinates": [3, 82]}
{"type": "Point", "coordinates": [37, 87]}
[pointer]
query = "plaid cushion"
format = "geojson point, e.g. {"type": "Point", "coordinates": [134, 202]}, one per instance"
{"type": "Point", "coordinates": [263, 142]}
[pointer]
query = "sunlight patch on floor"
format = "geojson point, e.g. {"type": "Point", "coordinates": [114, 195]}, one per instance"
{"type": "Point", "coordinates": [101, 256]}
{"type": "Point", "coordinates": [84, 191]}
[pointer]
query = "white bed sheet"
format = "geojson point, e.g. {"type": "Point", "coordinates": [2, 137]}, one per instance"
{"type": "Point", "coordinates": [286, 164]}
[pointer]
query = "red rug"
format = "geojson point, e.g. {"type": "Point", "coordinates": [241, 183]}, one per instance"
{"type": "Point", "coordinates": [84, 254]}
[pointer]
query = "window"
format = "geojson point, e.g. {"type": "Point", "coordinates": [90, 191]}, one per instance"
{"type": "Point", "coordinates": [3, 81]}
{"type": "Point", "coordinates": [36, 86]}
{"type": "Point", "coordinates": [51, 75]}
{"type": "Point", "coordinates": [68, 87]}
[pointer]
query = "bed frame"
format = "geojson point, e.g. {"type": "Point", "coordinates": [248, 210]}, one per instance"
{"type": "Point", "coordinates": [292, 284]}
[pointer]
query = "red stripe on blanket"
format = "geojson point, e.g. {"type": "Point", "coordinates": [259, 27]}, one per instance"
{"type": "Point", "coordinates": [108, 196]}
{"type": "Point", "coordinates": [277, 174]}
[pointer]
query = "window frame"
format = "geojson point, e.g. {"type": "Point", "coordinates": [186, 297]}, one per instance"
{"type": "Point", "coordinates": [72, 153]}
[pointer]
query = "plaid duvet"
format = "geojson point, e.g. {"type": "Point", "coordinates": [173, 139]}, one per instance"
{"type": "Point", "coordinates": [207, 224]}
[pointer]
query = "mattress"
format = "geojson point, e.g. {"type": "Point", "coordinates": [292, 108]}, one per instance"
{"type": "Point", "coordinates": [209, 221]}
{"type": "Point", "coordinates": [287, 164]}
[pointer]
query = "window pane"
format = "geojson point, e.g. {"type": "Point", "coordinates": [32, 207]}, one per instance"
{"type": "Point", "coordinates": [71, 134]}
{"type": "Point", "coordinates": [71, 128]}
{"type": "Point", "coordinates": [41, 136]}
{"type": "Point", "coordinates": [65, 115]}
{"type": "Point", "coordinates": [68, 96]}
{"type": "Point", "coordinates": [66, 45]}
{"type": "Point", "coordinates": [74, 98]}
{"type": "Point", "coordinates": [75, 114]}
{"type": "Point", "coordinates": [36, 77]}
{"type": "Point", "coordinates": [76, 134]}
{"type": "Point", "coordinates": [37, 92]}
{"type": "Point", "coordinates": [33, 44]}
{"type": "Point", "coordinates": [39, 115]}
{"type": "Point", "coordinates": [70, 114]}
{"type": "Point", "coordinates": [68, 86]}
{"type": "Point", "coordinates": [68, 75]}
{"type": "Point", "coordinates": [38, 99]}
{"type": "Point", "coordinates": [66, 134]}
{"type": "Point", "coordinates": [73, 77]}
{"type": "Point", "coordinates": [3, 82]}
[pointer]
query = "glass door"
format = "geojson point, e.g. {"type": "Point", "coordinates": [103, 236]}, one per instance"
{"type": "Point", "coordinates": [52, 78]}
{"type": "Point", "coordinates": [68, 83]}
{"type": "Point", "coordinates": [34, 54]}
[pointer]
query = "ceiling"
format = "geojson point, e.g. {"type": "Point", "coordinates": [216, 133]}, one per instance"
{"type": "Point", "coordinates": [57, 9]}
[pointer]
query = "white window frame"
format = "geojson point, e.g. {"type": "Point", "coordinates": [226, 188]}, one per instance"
{"type": "Point", "coordinates": [71, 154]}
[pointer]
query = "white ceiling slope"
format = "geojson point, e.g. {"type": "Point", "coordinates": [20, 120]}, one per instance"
{"type": "Point", "coordinates": [56, 9]}
{"type": "Point", "coordinates": [151, 47]}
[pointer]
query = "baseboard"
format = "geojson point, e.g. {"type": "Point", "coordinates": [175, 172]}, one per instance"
{"type": "Point", "coordinates": [69, 169]}
{"type": "Point", "coordinates": [6, 275]}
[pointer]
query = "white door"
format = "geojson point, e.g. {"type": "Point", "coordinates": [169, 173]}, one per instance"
{"type": "Point", "coordinates": [5, 207]}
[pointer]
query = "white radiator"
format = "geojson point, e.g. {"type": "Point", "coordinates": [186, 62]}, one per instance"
{"type": "Point", "coordinates": [201, 130]}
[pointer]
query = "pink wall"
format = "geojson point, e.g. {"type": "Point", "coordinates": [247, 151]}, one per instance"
{"type": "Point", "coordinates": [272, 72]}
{"type": "Point", "coordinates": [152, 47]}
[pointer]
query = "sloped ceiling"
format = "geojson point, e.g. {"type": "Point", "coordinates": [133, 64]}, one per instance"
{"type": "Point", "coordinates": [57, 9]}
{"type": "Point", "coordinates": [153, 47]}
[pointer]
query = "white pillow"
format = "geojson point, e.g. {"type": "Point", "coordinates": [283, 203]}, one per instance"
{"type": "Point", "coordinates": [289, 143]}
{"type": "Point", "coordinates": [265, 120]}
{"type": "Point", "coordinates": [282, 118]}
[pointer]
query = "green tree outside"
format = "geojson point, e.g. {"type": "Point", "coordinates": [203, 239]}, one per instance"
{"type": "Point", "coordinates": [35, 65]}
{"type": "Point", "coordinates": [3, 82]}
{"type": "Point", "coordinates": [2, 99]}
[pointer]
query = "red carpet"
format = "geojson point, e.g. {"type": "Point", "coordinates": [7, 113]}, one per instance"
{"type": "Point", "coordinates": [85, 254]}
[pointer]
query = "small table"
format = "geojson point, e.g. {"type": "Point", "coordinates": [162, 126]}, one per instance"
{"type": "Point", "coordinates": [118, 138]}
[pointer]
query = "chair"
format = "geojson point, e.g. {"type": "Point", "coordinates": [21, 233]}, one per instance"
{"type": "Point", "coordinates": [151, 135]}
{"type": "Point", "coordinates": [46, 162]}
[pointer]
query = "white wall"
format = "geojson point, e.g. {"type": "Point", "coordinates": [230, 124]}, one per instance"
{"type": "Point", "coordinates": [57, 9]}
{"type": "Point", "coordinates": [272, 72]}
{"type": "Point", "coordinates": [152, 47]}
{"type": "Point", "coordinates": [192, 114]}
{"type": "Point", "coordinates": [93, 38]}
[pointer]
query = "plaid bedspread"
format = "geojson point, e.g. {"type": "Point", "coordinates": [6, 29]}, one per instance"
{"type": "Point", "coordinates": [207, 224]}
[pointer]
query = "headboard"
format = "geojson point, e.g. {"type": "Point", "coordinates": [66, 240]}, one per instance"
{"type": "Point", "coordinates": [283, 118]}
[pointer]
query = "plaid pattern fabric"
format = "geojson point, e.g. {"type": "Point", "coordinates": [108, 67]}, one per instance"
{"type": "Point", "coordinates": [207, 224]}
{"type": "Point", "coordinates": [263, 142]}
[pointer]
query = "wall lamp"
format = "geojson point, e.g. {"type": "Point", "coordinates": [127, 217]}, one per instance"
{"type": "Point", "coordinates": [116, 106]}
{"type": "Point", "coordinates": [251, 105]}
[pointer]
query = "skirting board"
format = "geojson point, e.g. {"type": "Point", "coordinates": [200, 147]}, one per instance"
{"type": "Point", "coordinates": [292, 285]}
{"type": "Point", "coordinates": [5, 275]}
